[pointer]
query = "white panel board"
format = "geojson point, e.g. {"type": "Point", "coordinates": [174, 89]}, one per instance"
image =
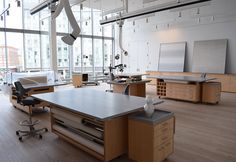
{"type": "Point", "coordinates": [209, 56]}
{"type": "Point", "coordinates": [171, 57]}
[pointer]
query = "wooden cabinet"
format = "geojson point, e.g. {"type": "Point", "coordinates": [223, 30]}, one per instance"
{"type": "Point", "coordinates": [211, 92]}
{"type": "Point", "coordinates": [77, 80]}
{"type": "Point", "coordinates": [183, 91]}
{"type": "Point", "coordinates": [228, 81]}
{"type": "Point", "coordinates": [151, 142]}
{"type": "Point", "coordinates": [104, 140]}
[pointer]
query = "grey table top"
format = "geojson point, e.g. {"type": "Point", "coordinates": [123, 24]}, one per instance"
{"type": "Point", "coordinates": [98, 104]}
{"type": "Point", "coordinates": [182, 78]}
{"type": "Point", "coordinates": [157, 117]}
{"type": "Point", "coordinates": [42, 85]}
{"type": "Point", "coordinates": [130, 82]}
{"type": "Point", "coordinates": [130, 75]}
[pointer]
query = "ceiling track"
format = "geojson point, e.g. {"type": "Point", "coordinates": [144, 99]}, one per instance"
{"type": "Point", "coordinates": [150, 11]}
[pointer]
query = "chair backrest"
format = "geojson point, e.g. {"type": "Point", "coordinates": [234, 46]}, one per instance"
{"type": "Point", "coordinates": [112, 76]}
{"type": "Point", "coordinates": [126, 91]}
{"type": "Point", "coordinates": [21, 91]}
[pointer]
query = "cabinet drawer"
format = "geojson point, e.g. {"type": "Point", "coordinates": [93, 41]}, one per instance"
{"type": "Point", "coordinates": [160, 153]}
{"type": "Point", "coordinates": [164, 128]}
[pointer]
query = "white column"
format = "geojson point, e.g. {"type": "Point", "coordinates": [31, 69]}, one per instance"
{"type": "Point", "coordinates": [53, 47]}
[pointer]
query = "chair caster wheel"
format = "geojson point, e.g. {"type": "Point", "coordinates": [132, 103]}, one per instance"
{"type": "Point", "coordinates": [17, 133]}
{"type": "Point", "coordinates": [46, 129]}
{"type": "Point", "coordinates": [40, 136]}
{"type": "Point", "coordinates": [20, 139]}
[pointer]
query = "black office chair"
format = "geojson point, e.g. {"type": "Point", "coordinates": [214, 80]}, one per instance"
{"type": "Point", "coordinates": [30, 102]}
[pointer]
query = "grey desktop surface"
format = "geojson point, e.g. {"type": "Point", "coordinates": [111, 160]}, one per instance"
{"type": "Point", "coordinates": [130, 82]}
{"type": "Point", "coordinates": [129, 75]}
{"type": "Point", "coordinates": [41, 85]}
{"type": "Point", "coordinates": [157, 117]}
{"type": "Point", "coordinates": [98, 104]}
{"type": "Point", "coordinates": [182, 78]}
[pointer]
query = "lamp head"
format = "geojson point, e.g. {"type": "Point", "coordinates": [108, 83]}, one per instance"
{"type": "Point", "coordinates": [69, 39]}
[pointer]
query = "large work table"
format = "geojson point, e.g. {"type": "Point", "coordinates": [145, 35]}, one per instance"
{"type": "Point", "coordinates": [183, 87]}
{"type": "Point", "coordinates": [95, 121]}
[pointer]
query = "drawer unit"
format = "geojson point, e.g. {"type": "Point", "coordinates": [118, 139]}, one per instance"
{"type": "Point", "coordinates": [183, 91]}
{"type": "Point", "coordinates": [211, 92]}
{"type": "Point", "coordinates": [152, 142]}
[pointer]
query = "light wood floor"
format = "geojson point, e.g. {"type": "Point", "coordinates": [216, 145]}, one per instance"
{"type": "Point", "coordinates": [204, 133]}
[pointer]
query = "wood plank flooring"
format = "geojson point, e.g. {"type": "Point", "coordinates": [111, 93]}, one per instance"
{"type": "Point", "coordinates": [204, 133]}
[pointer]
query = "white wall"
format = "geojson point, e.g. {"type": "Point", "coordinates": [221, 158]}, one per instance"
{"type": "Point", "coordinates": [142, 39]}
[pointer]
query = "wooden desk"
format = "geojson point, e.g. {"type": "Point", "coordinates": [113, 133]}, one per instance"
{"type": "Point", "coordinates": [180, 87]}
{"type": "Point", "coordinates": [34, 89]}
{"type": "Point", "coordinates": [94, 121]}
{"type": "Point", "coordinates": [136, 88]}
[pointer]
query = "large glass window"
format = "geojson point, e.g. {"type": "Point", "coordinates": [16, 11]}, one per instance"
{"type": "Point", "coordinates": [77, 66]}
{"type": "Point", "coordinates": [30, 46]}
{"type": "Point", "coordinates": [15, 51]}
{"type": "Point", "coordinates": [32, 51]}
{"type": "Point", "coordinates": [86, 21]}
{"type": "Point", "coordinates": [45, 52]}
{"type": "Point", "coordinates": [30, 21]}
{"type": "Point", "coordinates": [14, 18]}
{"type": "Point", "coordinates": [107, 53]}
{"type": "Point", "coordinates": [2, 57]}
{"type": "Point", "coordinates": [87, 55]}
{"type": "Point", "coordinates": [62, 22]}
{"type": "Point", "coordinates": [63, 59]}
{"type": "Point", "coordinates": [97, 28]}
{"type": "Point", "coordinates": [98, 56]}
{"type": "Point", "coordinates": [2, 17]}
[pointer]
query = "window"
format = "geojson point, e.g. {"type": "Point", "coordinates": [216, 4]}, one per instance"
{"type": "Point", "coordinates": [45, 52]}
{"type": "Point", "coordinates": [107, 53]}
{"type": "Point", "coordinates": [14, 19]}
{"type": "Point", "coordinates": [62, 57]}
{"type": "Point", "coordinates": [77, 55]}
{"type": "Point", "coordinates": [30, 21]}
{"type": "Point", "coordinates": [86, 21]}
{"type": "Point", "coordinates": [2, 57]}
{"type": "Point", "coordinates": [32, 51]}
{"type": "Point", "coordinates": [98, 56]}
{"type": "Point", "coordinates": [97, 28]}
{"type": "Point", "coordinates": [87, 55]}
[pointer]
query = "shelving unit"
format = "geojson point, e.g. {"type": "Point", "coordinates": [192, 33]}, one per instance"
{"type": "Point", "coordinates": [103, 139]}
{"type": "Point", "coordinates": [161, 88]}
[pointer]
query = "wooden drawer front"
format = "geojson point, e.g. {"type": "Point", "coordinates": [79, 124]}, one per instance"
{"type": "Point", "coordinates": [164, 128]}
{"type": "Point", "coordinates": [160, 153]}
{"type": "Point", "coordinates": [183, 91]}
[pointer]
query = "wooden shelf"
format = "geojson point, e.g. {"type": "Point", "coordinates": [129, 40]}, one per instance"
{"type": "Point", "coordinates": [161, 88]}
{"type": "Point", "coordinates": [105, 140]}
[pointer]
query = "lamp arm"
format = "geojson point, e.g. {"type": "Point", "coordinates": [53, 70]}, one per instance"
{"type": "Point", "coordinates": [72, 20]}
{"type": "Point", "coordinates": [58, 10]}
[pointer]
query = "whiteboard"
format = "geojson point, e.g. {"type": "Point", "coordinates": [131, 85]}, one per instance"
{"type": "Point", "coordinates": [171, 57]}
{"type": "Point", "coordinates": [209, 56]}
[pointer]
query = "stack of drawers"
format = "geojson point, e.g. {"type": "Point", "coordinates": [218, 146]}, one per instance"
{"type": "Point", "coordinates": [151, 141]}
